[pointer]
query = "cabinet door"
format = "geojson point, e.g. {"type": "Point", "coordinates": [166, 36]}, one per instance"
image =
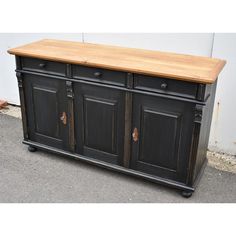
{"type": "Point", "coordinates": [162, 131]}
{"type": "Point", "coordinates": [46, 104]}
{"type": "Point", "coordinates": [99, 122]}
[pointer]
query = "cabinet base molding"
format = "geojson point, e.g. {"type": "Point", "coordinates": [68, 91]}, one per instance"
{"type": "Point", "coordinates": [154, 179]}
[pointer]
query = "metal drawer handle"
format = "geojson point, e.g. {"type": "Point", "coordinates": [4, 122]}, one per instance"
{"type": "Point", "coordinates": [97, 74]}
{"type": "Point", "coordinates": [164, 85]}
{"type": "Point", "coordinates": [63, 118]}
{"type": "Point", "coordinates": [42, 65]}
{"type": "Point", "coordinates": [135, 135]}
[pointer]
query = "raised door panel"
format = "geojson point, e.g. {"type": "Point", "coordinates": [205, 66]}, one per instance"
{"type": "Point", "coordinates": [46, 107]}
{"type": "Point", "coordinates": [99, 122]}
{"type": "Point", "coordinates": [160, 137]}
{"type": "Point", "coordinates": [104, 124]}
{"type": "Point", "coordinates": [45, 118]}
{"type": "Point", "coordinates": [164, 130]}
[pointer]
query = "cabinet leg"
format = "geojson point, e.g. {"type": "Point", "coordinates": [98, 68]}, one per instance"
{"type": "Point", "coordinates": [187, 193]}
{"type": "Point", "coordinates": [32, 149]}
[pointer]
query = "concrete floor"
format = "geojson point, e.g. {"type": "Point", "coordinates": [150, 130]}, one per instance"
{"type": "Point", "coordinates": [43, 177]}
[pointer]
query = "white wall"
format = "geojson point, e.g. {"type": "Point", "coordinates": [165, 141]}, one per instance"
{"type": "Point", "coordinates": [196, 44]}
{"type": "Point", "coordinates": [8, 82]}
{"type": "Point", "coordinates": [223, 130]}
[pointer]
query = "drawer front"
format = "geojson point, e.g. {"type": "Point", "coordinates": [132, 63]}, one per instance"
{"type": "Point", "coordinates": [99, 75]}
{"type": "Point", "coordinates": [166, 86]}
{"type": "Point", "coordinates": [43, 66]}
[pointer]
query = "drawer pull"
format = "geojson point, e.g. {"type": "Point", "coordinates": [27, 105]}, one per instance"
{"type": "Point", "coordinates": [135, 135]}
{"type": "Point", "coordinates": [164, 85]}
{"type": "Point", "coordinates": [42, 65]}
{"type": "Point", "coordinates": [63, 118]}
{"type": "Point", "coordinates": [98, 74]}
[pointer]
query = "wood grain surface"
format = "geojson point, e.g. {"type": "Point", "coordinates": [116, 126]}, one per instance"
{"type": "Point", "coordinates": [176, 66]}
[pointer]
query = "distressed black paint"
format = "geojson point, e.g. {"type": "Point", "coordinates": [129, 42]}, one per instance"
{"type": "Point", "coordinates": [171, 118]}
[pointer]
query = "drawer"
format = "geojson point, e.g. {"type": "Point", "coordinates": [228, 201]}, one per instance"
{"type": "Point", "coordinates": [166, 86]}
{"type": "Point", "coordinates": [99, 75]}
{"type": "Point", "coordinates": [43, 66]}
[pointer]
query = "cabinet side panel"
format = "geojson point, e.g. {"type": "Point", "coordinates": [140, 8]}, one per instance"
{"type": "Point", "coordinates": [205, 131]}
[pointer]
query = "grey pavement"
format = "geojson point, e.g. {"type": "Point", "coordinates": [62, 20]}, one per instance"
{"type": "Point", "coordinates": [43, 177]}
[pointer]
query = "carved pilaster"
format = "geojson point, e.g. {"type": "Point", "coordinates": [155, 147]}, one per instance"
{"type": "Point", "coordinates": [130, 80]}
{"type": "Point", "coordinates": [68, 70]}
{"type": "Point", "coordinates": [198, 113]}
{"type": "Point", "coordinates": [128, 128]}
{"type": "Point", "coordinates": [19, 76]}
{"type": "Point", "coordinates": [70, 96]}
{"type": "Point", "coordinates": [195, 140]}
{"type": "Point", "coordinates": [19, 79]}
{"type": "Point", "coordinates": [69, 90]}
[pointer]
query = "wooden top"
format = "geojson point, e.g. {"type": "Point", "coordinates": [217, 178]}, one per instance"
{"type": "Point", "coordinates": [177, 66]}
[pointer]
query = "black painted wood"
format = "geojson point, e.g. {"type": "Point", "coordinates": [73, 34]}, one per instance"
{"type": "Point", "coordinates": [166, 86]}
{"type": "Point", "coordinates": [40, 65]}
{"type": "Point", "coordinates": [154, 128]}
{"type": "Point", "coordinates": [99, 75]}
{"type": "Point", "coordinates": [99, 122]}
{"type": "Point", "coordinates": [165, 131]}
{"type": "Point", "coordinates": [20, 81]}
{"type": "Point", "coordinates": [155, 94]}
{"type": "Point", "coordinates": [70, 115]}
{"type": "Point", "coordinates": [46, 101]}
{"type": "Point", "coordinates": [204, 133]}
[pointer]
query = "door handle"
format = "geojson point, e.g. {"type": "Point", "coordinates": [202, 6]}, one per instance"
{"type": "Point", "coordinates": [63, 118]}
{"type": "Point", "coordinates": [42, 65]}
{"type": "Point", "coordinates": [164, 85]}
{"type": "Point", "coordinates": [135, 134]}
{"type": "Point", "coordinates": [97, 74]}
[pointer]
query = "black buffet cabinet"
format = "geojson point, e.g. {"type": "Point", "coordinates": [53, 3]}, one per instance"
{"type": "Point", "coordinates": [154, 127]}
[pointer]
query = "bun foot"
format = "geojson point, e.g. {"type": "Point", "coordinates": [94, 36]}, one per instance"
{"type": "Point", "coordinates": [187, 194]}
{"type": "Point", "coordinates": [32, 149]}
